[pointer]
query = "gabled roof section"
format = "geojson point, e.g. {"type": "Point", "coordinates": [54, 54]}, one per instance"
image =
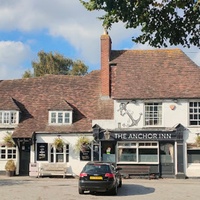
{"type": "Point", "coordinates": [36, 96]}
{"type": "Point", "coordinates": [61, 105]}
{"type": "Point", "coordinates": [154, 74]}
{"type": "Point", "coordinates": [8, 103]}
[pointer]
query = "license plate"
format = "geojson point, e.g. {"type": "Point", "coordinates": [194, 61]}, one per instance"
{"type": "Point", "coordinates": [96, 178]}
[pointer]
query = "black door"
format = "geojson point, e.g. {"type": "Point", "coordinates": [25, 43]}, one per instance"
{"type": "Point", "coordinates": [167, 159]}
{"type": "Point", "coordinates": [24, 159]}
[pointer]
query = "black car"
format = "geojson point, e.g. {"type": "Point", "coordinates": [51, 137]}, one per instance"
{"type": "Point", "coordinates": [100, 177]}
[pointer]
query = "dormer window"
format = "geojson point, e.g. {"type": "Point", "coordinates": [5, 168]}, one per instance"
{"type": "Point", "coordinates": [60, 117]}
{"type": "Point", "coordinates": [9, 117]}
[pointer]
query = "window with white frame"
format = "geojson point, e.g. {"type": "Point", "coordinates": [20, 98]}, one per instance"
{"type": "Point", "coordinates": [138, 152]}
{"type": "Point", "coordinates": [60, 155]}
{"type": "Point", "coordinates": [194, 113]}
{"type": "Point", "coordinates": [60, 117]}
{"type": "Point", "coordinates": [7, 152]}
{"type": "Point", "coordinates": [8, 117]}
{"type": "Point", "coordinates": [153, 114]}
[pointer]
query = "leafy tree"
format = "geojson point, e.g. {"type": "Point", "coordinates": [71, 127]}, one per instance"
{"type": "Point", "coordinates": [50, 63]}
{"type": "Point", "coordinates": [79, 68]}
{"type": "Point", "coordinates": [161, 21]}
{"type": "Point", "coordinates": [27, 74]}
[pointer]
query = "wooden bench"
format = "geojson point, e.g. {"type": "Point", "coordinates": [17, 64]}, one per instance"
{"type": "Point", "coordinates": [135, 170]}
{"type": "Point", "coordinates": [53, 169]}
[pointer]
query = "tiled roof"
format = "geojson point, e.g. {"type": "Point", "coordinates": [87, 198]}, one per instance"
{"type": "Point", "coordinates": [61, 105]}
{"type": "Point", "coordinates": [154, 74]}
{"type": "Point", "coordinates": [37, 95]}
{"type": "Point", "coordinates": [8, 103]}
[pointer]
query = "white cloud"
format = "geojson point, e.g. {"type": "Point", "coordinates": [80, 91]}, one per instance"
{"type": "Point", "coordinates": [12, 55]}
{"type": "Point", "coordinates": [67, 19]}
{"type": "Point", "coordinates": [59, 18]}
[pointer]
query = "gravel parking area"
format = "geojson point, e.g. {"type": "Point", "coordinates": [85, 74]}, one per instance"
{"type": "Point", "coordinates": [19, 188]}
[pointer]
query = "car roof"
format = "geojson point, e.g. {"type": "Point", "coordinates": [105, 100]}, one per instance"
{"type": "Point", "coordinates": [100, 163]}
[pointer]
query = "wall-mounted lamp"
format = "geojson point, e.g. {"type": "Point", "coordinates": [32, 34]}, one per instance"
{"type": "Point", "coordinates": [107, 134]}
{"type": "Point", "coordinates": [175, 100]}
{"type": "Point", "coordinates": [133, 101]}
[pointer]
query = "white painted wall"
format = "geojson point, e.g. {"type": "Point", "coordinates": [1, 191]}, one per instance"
{"type": "Point", "coordinates": [75, 165]}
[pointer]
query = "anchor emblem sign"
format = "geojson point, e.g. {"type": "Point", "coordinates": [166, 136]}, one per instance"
{"type": "Point", "coordinates": [123, 111]}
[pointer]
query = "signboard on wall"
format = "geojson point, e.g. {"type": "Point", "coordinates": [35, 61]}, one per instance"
{"type": "Point", "coordinates": [42, 151]}
{"type": "Point", "coordinates": [148, 135]}
{"type": "Point", "coordinates": [85, 155]}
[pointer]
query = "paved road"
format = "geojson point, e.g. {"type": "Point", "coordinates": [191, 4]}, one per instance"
{"type": "Point", "coordinates": [26, 188]}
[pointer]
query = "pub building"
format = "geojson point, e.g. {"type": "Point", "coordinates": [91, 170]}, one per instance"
{"type": "Point", "coordinates": [156, 111]}
{"type": "Point", "coordinates": [142, 108]}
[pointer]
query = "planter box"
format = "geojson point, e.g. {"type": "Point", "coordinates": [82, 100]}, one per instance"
{"type": "Point", "coordinates": [10, 173]}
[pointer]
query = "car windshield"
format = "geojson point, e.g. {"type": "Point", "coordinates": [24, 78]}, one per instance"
{"type": "Point", "coordinates": [97, 169]}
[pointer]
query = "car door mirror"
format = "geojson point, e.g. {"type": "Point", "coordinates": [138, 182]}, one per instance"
{"type": "Point", "coordinates": [118, 168]}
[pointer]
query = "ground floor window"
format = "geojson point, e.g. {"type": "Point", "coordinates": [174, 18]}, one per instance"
{"type": "Point", "coordinates": [193, 155]}
{"type": "Point", "coordinates": [7, 152]}
{"type": "Point", "coordinates": [137, 152]}
{"type": "Point", "coordinates": [59, 155]}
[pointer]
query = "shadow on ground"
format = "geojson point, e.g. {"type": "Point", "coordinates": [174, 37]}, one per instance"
{"type": "Point", "coordinates": [129, 190]}
{"type": "Point", "coordinates": [12, 182]}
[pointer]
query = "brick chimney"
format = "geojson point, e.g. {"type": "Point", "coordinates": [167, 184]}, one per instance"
{"type": "Point", "coordinates": [105, 67]}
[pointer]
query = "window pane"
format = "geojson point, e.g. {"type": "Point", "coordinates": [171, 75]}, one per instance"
{"type": "Point", "coordinates": [13, 117]}
{"type": "Point", "coordinates": [60, 155]}
{"type": "Point", "coordinates": [148, 155]}
{"type": "Point", "coordinates": [6, 117]}
{"type": "Point", "coordinates": [1, 118]}
{"type": "Point", "coordinates": [60, 118]}
{"type": "Point", "coordinates": [193, 156]}
{"type": "Point", "coordinates": [59, 158]}
{"type": "Point", "coordinates": [67, 118]}
{"type": "Point", "coordinates": [53, 118]}
{"type": "Point", "coordinates": [153, 114]}
{"type": "Point", "coordinates": [67, 153]}
{"type": "Point", "coordinates": [126, 154]}
{"type": "Point", "coordinates": [194, 113]}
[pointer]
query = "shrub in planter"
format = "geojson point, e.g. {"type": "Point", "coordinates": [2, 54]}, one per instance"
{"type": "Point", "coordinates": [10, 167]}
{"type": "Point", "coordinates": [198, 140]}
{"type": "Point", "coordinates": [82, 144]}
{"type": "Point", "coordinates": [58, 143]}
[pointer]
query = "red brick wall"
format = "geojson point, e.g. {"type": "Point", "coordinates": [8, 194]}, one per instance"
{"type": "Point", "coordinates": [105, 69]}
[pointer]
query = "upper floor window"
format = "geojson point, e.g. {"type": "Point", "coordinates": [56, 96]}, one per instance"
{"type": "Point", "coordinates": [60, 117]}
{"type": "Point", "coordinates": [153, 114]}
{"type": "Point", "coordinates": [194, 113]}
{"type": "Point", "coordinates": [8, 117]}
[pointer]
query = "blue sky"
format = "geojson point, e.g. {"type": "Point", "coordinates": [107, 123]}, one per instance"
{"type": "Point", "coordinates": [63, 26]}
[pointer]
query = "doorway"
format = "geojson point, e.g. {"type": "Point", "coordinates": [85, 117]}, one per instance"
{"type": "Point", "coordinates": [167, 159]}
{"type": "Point", "coordinates": [108, 151]}
{"type": "Point", "coordinates": [24, 149]}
